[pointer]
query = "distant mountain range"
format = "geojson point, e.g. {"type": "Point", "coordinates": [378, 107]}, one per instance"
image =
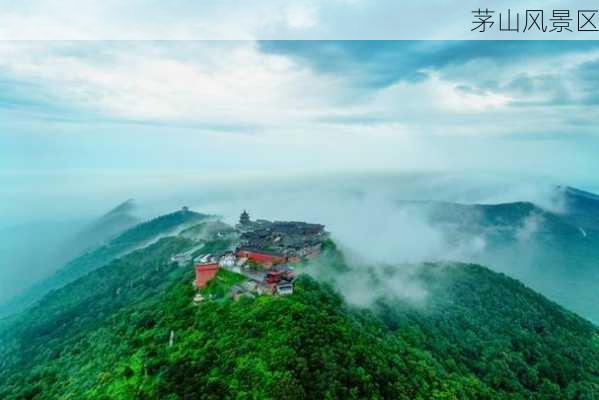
{"type": "Point", "coordinates": [108, 226]}
{"type": "Point", "coordinates": [581, 208]}
{"type": "Point", "coordinates": [113, 235]}
{"type": "Point", "coordinates": [554, 251]}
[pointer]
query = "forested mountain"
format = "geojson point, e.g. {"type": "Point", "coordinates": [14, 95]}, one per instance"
{"type": "Point", "coordinates": [131, 239]}
{"type": "Point", "coordinates": [130, 330]}
{"type": "Point", "coordinates": [554, 251]}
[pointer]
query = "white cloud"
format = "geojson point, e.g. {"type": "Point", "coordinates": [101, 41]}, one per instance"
{"type": "Point", "coordinates": [301, 17]}
{"type": "Point", "coordinates": [201, 82]}
{"type": "Point", "coordinates": [451, 98]}
{"type": "Point", "coordinates": [269, 110]}
{"type": "Point", "coordinates": [143, 20]}
{"type": "Point", "coordinates": [217, 85]}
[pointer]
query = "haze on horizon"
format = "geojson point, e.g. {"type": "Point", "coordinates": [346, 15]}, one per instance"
{"type": "Point", "coordinates": [87, 125]}
{"type": "Point", "coordinates": [362, 212]}
{"type": "Point", "coordinates": [75, 110]}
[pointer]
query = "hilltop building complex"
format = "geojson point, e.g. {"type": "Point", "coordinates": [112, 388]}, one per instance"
{"type": "Point", "coordinates": [263, 254]}
{"type": "Point", "coordinates": [280, 239]}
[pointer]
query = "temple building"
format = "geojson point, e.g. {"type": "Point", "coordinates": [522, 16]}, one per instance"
{"type": "Point", "coordinates": [244, 219]}
{"type": "Point", "coordinates": [278, 241]}
{"type": "Point", "coordinates": [262, 257]}
{"type": "Point", "coordinates": [205, 273]}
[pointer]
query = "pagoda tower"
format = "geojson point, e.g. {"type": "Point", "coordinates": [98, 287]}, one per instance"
{"type": "Point", "coordinates": [244, 219]}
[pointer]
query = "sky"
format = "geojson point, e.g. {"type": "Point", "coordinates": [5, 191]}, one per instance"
{"type": "Point", "coordinates": [99, 117]}
{"type": "Point", "coordinates": [290, 129]}
{"type": "Point", "coordinates": [272, 19]}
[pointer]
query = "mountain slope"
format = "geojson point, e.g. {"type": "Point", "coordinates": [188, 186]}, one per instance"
{"type": "Point", "coordinates": [514, 339]}
{"type": "Point", "coordinates": [109, 225]}
{"type": "Point", "coordinates": [476, 335]}
{"type": "Point", "coordinates": [582, 208]}
{"type": "Point", "coordinates": [556, 253]}
{"type": "Point", "coordinates": [41, 247]}
{"type": "Point", "coordinates": [139, 236]}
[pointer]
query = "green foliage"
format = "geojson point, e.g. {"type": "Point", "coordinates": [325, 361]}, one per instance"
{"type": "Point", "coordinates": [539, 247]}
{"type": "Point", "coordinates": [515, 340]}
{"type": "Point", "coordinates": [218, 288]}
{"type": "Point", "coordinates": [478, 335]}
{"type": "Point", "coordinates": [67, 314]}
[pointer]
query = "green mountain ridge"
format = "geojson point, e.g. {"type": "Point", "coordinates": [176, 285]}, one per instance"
{"type": "Point", "coordinates": [554, 251]}
{"type": "Point", "coordinates": [476, 335]}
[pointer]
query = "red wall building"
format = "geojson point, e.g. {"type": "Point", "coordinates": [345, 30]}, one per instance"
{"type": "Point", "coordinates": [262, 258]}
{"type": "Point", "coordinates": [205, 273]}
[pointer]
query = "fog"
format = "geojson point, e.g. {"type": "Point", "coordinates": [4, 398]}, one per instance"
{"type": "Point", "coordinates": [362, 212]}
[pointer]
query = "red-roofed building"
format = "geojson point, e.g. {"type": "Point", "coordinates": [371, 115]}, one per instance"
{"type": "Point", "coordinates": [205, 273]}
{"type": "Point", "coordinates": [263, 258]}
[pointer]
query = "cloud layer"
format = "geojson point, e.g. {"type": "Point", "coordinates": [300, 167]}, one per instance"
{"type": "Point", "coordinates": [97, 117]}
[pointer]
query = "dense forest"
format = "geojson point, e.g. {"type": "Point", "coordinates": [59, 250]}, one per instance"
{"type": "Point", "coordinates": [130, 330]}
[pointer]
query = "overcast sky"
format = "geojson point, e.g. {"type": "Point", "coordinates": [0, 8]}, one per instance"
{"type": "Point", "coordinates": [274, 19]}
{"type": "Point", "coordinates": [525, 109]}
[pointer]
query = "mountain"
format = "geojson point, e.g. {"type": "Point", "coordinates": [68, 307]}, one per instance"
{"type": "Point", "coordinates": [108, 226]}
{"type": "Point", "coordinates": [554, 252]}
{"type": "Point", "coordinates": [130, 330]}
{"type": "Point", "coordinates": [131, 239]}
{"type": "Point", "coordinates": [582, 208]}
{"type": "Point", "coordinates": [41, 247]}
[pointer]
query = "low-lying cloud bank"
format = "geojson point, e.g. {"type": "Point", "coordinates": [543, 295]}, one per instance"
{"type": "Point", "coordinates": [379, 220]}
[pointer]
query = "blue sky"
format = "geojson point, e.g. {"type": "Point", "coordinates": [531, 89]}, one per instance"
{"type": "Point", "coordinates": [208, 108]}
